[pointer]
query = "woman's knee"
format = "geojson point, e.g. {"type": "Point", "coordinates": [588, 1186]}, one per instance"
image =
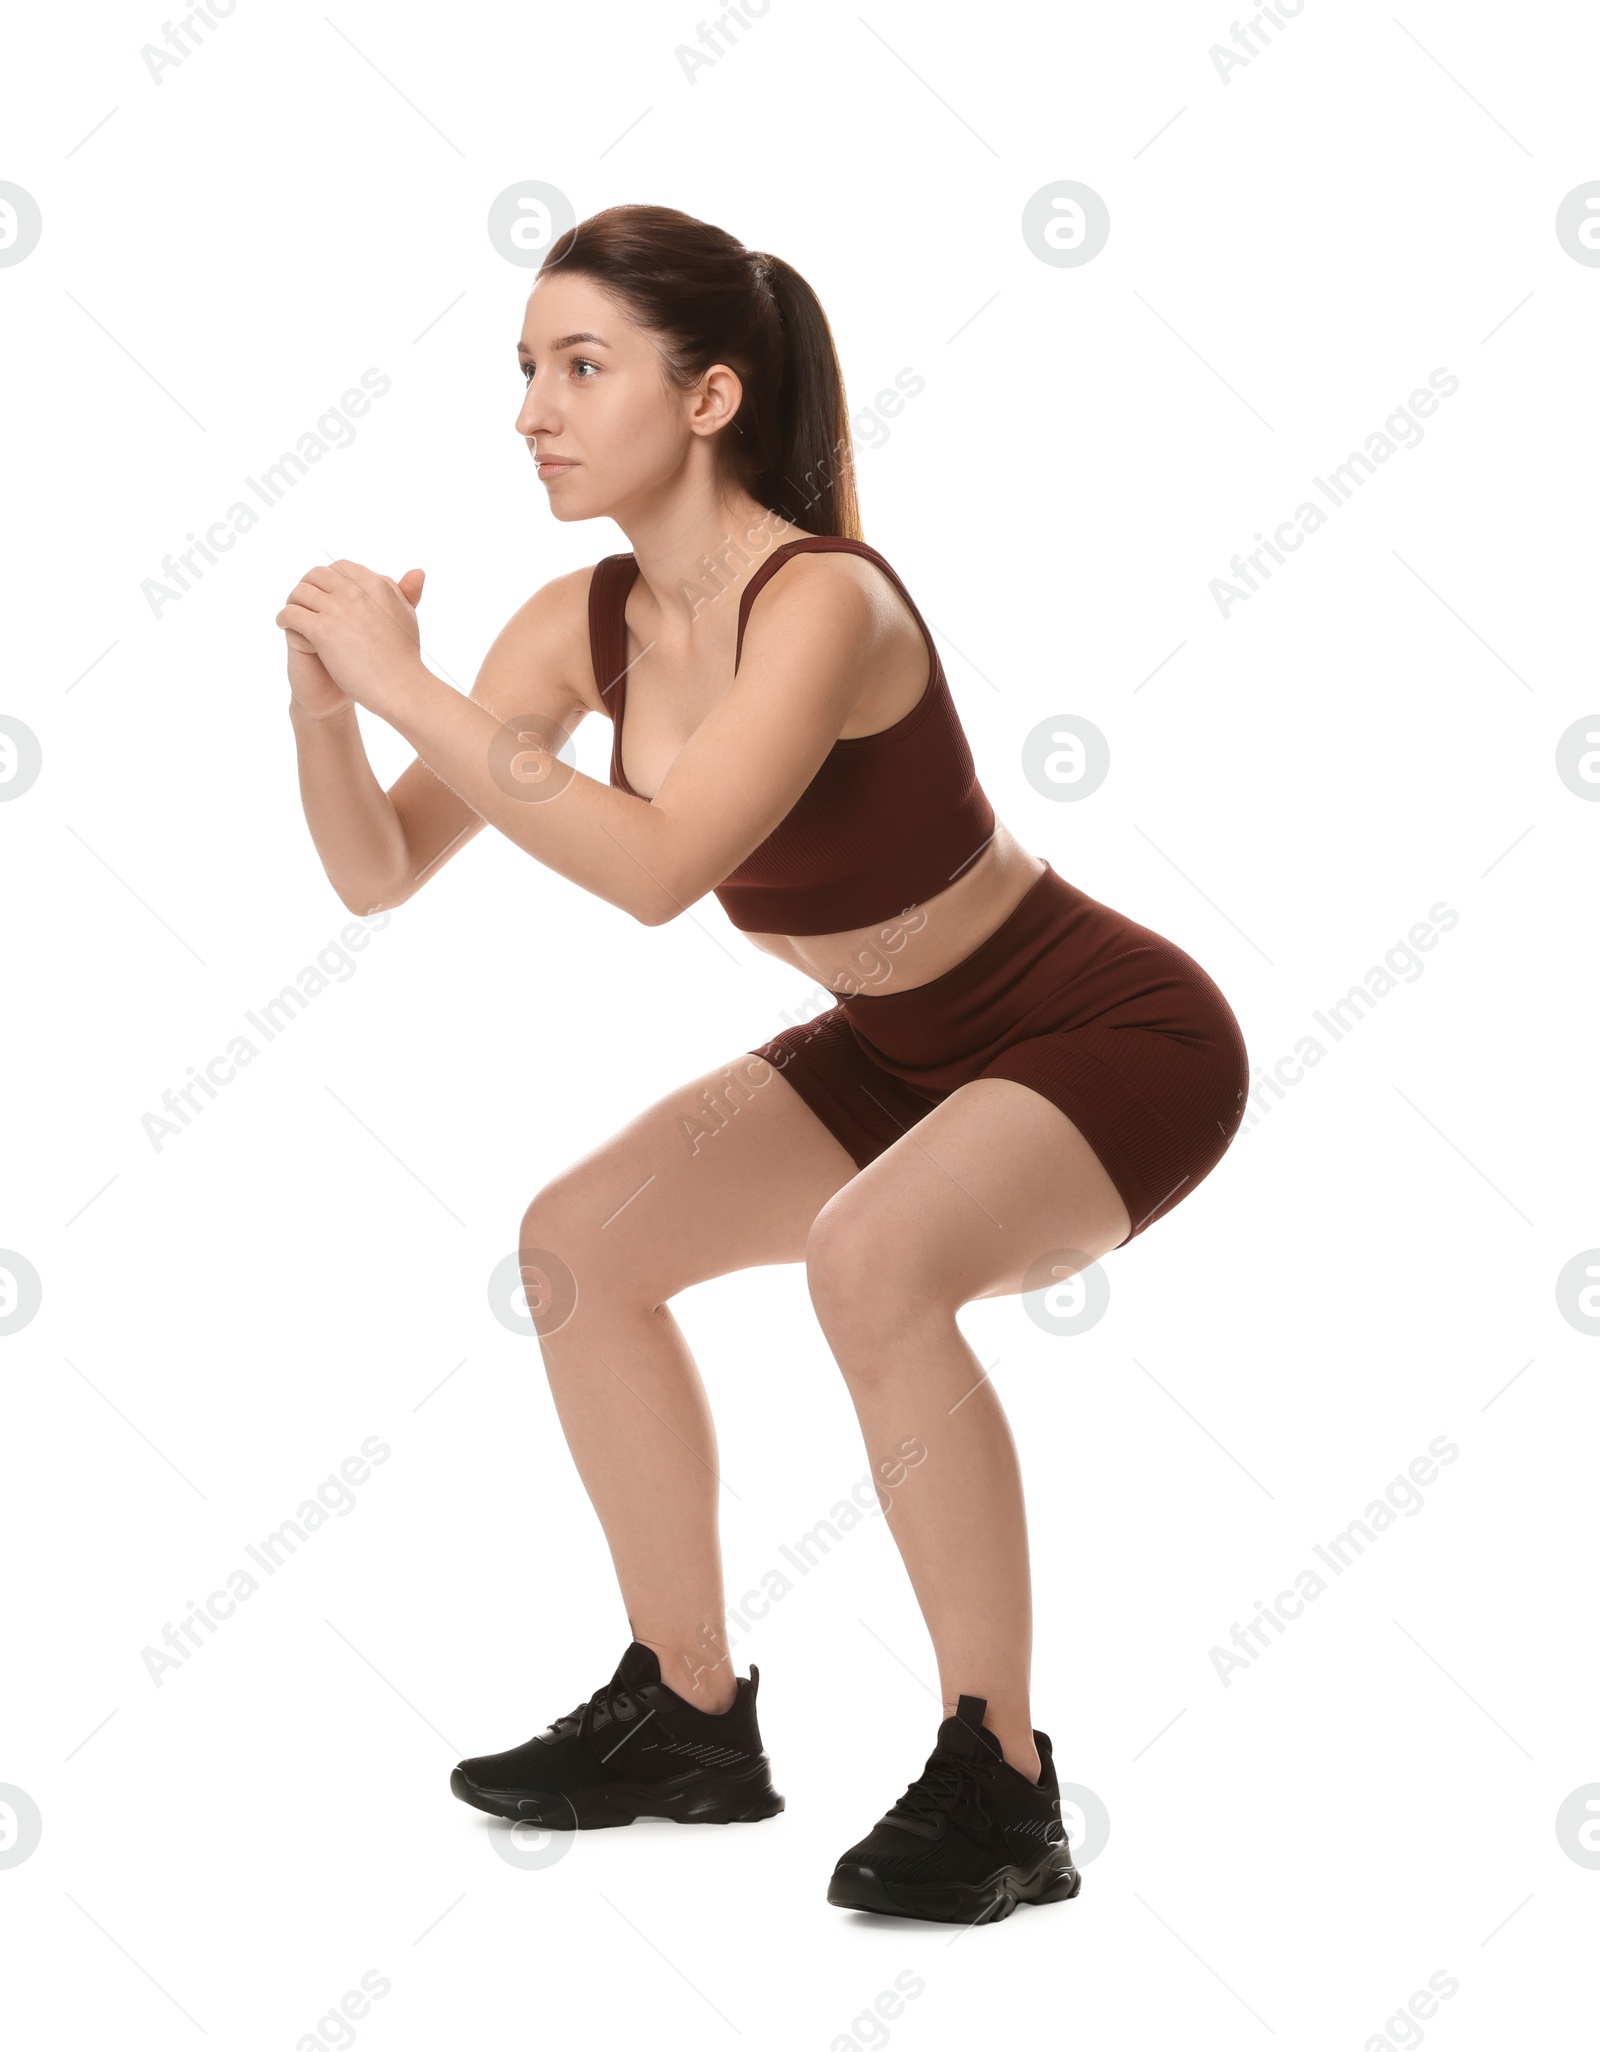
{"type": "Point", "coordinates": [868, 1275]}
{"type": "Point", "coordinates": [552, 1214]}
{"type": "Point", "coordinates": [570, 1261]}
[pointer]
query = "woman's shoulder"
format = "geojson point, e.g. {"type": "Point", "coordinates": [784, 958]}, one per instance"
{"type": "Point", "coordinates": [829, 559]}
{"type": "Point", "coordinates": [807, 568]}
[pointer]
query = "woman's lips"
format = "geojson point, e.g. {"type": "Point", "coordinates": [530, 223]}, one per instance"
{"type": "Point", "coordinates": [554, 466]}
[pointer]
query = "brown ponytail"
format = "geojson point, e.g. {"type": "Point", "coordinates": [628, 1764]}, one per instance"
{"type": "Point", "coordinates": [710, 300]}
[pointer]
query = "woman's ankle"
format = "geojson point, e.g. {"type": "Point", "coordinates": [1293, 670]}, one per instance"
{"type": "Point", "coordinates": [1024, 1758]}
{"type": "Point", "coordinates": [1013, 1731]}
{"type": "Point", "coordinates": [700, 1677]}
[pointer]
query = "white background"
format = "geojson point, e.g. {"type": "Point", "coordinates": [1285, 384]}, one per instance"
{"type": "Point", "coordinates": [1374, 1264]}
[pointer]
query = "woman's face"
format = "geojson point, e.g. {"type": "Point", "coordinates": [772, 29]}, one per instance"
{"type": "Point", "coordinates": [606, 428]}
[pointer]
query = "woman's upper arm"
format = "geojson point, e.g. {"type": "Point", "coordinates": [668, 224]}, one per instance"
{"type": "Point", "coordinates": [529, 668]}
{"type": "Point", "coordinates": [809, 650]}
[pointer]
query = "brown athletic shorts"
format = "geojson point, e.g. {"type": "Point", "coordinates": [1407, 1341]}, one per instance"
{"type": "Point", "coordinates": [1115, 1025]}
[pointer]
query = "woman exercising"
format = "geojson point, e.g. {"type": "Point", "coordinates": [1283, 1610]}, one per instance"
{"type": "Point", "coordinates": [1014, 1079]}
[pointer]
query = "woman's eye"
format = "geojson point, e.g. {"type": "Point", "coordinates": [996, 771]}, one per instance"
{"type": "Point", "coordinates": [528, 369]}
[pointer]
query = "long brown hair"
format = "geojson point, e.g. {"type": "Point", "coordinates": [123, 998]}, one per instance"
{"type": "Point", "coordinates": [709, 299]}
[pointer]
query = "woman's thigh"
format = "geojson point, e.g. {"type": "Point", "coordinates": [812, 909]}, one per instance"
{"type": "Point", "coordinates": [725, 1171]}
{"type": "Point", "coordinates": [963, 1206]}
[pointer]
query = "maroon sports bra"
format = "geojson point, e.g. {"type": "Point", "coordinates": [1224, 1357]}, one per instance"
{"type": "Point", "coordinates": [889, 820]}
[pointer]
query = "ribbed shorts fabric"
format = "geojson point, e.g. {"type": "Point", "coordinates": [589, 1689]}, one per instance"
{"type": "Point", "coordinates": [1111, 1022]}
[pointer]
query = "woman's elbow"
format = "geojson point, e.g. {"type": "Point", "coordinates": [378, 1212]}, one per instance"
{"type": "Point", "coordinates": [365, 903]}
{"type": "Point", "coordinates": [665, 900]}
{"type": "Point", "coordinates": [657, 909]}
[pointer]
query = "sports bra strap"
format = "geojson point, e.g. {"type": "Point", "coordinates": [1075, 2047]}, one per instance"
{"type": "Point", "coordinates": [823, 541]}
{"type": "Point", "coordinates": [607, 633]}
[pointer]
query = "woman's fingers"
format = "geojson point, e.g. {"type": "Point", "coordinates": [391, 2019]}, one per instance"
{"type": "Point", "coordinates": [299, 618]}
{"type": "Point", "coordinates": [342, 611]}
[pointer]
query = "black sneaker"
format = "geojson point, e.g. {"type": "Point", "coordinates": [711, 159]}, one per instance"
{"type": "Point", "coordinates": [969, 1839]}
{"type": "Point", "coordinates": [635, 1749]}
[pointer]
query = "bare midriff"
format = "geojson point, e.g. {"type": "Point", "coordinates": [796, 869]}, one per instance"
{"type": "Point", "coordinates": [923, 941]}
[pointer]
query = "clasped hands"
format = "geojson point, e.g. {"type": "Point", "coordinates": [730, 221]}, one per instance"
{"type": "Point", "coordinates": [361, 626]}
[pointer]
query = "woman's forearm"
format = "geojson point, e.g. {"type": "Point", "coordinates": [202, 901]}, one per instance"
{"type": "Point", "coordinates": [608, 841]}
{"type": "Point", "coordinates": [353, 823]}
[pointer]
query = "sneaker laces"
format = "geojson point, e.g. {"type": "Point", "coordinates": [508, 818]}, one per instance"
{"type": "Point", "coordinates": [940, 1788]}
{"type": "Point", "coordinates": [611, 1696]}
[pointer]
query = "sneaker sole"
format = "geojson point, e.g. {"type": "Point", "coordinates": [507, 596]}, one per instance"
{"type": "Point", "coordinates": [861, 1887]}
{"type": "Point", "coordinates": [697, 1798]}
